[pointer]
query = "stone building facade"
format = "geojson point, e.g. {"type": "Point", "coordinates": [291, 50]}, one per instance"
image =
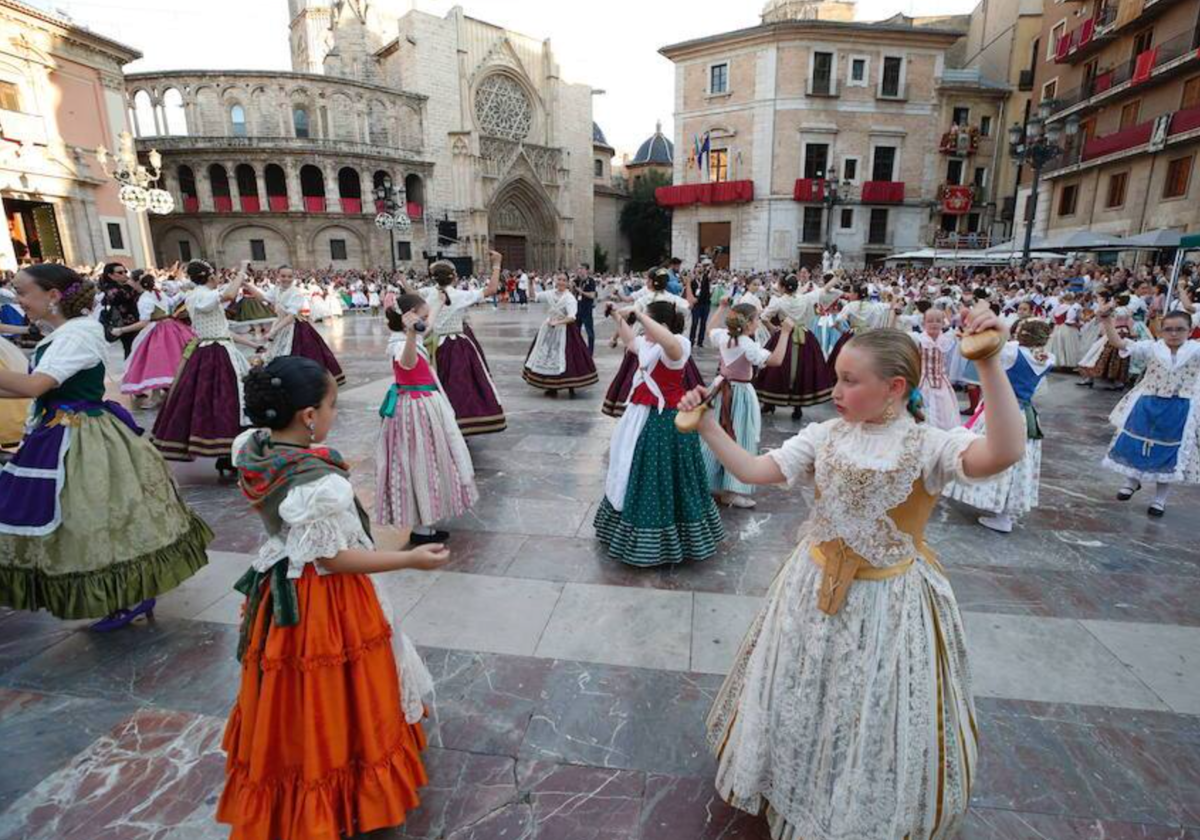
{"type": "Point", "coordinates": [473, 123]}
{"type": "Point", "coordinates": [807, 99]}
{"type": "Point", "coordinates": [1129, 72]}
{"type": "Point", "coordinates": [62, 96]}
{"type": "Point", "coordinates": [610, 197]}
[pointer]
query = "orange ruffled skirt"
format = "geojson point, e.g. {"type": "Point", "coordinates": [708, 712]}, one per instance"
{"type": "Point", "coordinates": [317, 744]}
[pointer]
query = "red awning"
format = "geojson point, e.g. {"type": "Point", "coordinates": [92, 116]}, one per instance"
{"type": "Point", "coordinates": [223, 204]}
{"type": "Point", "coordinates": [1143, 65]}
{"type": "Point", "coordinates": [352, 206]}
{"type": "Point", "coordinates": [314, 203]}
{"type": "Point", "coordinates": [722, 192]}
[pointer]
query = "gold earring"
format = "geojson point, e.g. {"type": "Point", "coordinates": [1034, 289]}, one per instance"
{"type": "Point", "coordinates": [312, 431]}
{"type": "Point", "coordinates": [889, 413]}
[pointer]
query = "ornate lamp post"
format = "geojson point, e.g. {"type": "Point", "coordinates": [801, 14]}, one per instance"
{"type": "Point", "coordinates": [393, 217]}
{"type": "Point", "coordinates": [830, 199]}
{"type": "Point", "coordinates": [135, 179]}
{"type": "Point", "coordinates": [1037, 144]}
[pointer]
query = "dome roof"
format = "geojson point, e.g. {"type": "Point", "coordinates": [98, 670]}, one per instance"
{"type": "Point", "coordinates": [657, 149]}
{"type": "Point", "coordinates": [598, 135]}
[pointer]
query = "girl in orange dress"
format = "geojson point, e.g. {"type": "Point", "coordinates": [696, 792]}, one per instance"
{"type": "Point", "coordinates": [324, 741]}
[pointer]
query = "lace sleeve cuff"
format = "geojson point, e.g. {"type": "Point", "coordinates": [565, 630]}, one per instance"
{"type": "Point", "coordinates": [944, 463]}
{"type": "Point", "coordinates": [320, 540]}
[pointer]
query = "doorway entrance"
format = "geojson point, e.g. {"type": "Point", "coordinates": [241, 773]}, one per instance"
{"type": "Point", "coordinates": [512, 249]}
{"type": "Point", "coordinates": [714, 242]}
{"type": "Point", "coordinates": [34, 230]}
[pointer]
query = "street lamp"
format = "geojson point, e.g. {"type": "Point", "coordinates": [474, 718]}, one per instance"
{"type": "Point", "coordinates": [393, 217]}
{"type": "Point", "coordinates": [1037, 143]}
{"type": "Point", "coordinates": [135, 179]}
{"type": "Point", "coordinates": [830, 198]}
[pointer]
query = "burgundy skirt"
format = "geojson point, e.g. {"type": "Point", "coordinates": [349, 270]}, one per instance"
{"type": "Point", "coordinates": [307, 342]}
{"type": "Point", "coordinates": [469, 388]}
{"type": "Point", "coordinates": [202, 414]}
{"type": "Point", "coordinates": [469, 333]}
{"type": "Point", "coordinates": [580, 372]}
{"type": "Point", "coordinates": [618, 390]}
{"type": "Point", "coordinates": [835, 352]}
{"type": "Point", "coordinates": [804, 378]}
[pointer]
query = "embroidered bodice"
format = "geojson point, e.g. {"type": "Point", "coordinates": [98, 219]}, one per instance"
{"type": "Point", "coordinates": [289, 301]}
{"type": "Point", "coordinates": [207, 314]}
{"type": "Point", "coordinates": [864, 473]}
{"type": "Point", "coordinates": [933, 357]}
{"type": "Point", "coordinates": [658, 382]}
{"type": "Point", "coordinates": [1167, 375]}
{"type": "Point", "coordinates": [448, 317]}
{"type": "Point", "coordinates": [417, 380]}
{"type": "Point", "coordinates": [562, 305]}
{"type": "Point", "coordinates": [1025, 370]}
{"type": "Point", "coordinates": [738, 362]}
{"type": "Point", "coordinates": [801, 308]}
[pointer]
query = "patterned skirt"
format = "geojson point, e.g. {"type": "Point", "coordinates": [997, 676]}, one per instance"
{"type": "Point", "coordinates": [105, 531]}
{"type": "Point", "coordinates": [250, 311]}
{"type": "Point", "coordinates": [301, 338]}
{"type": "Point", "coordinates": [747, 425]}
{"type": "Point", "coordinates": [617, 394]}
{"type": "Point", "coordinates": [203, 411]}
{"type": "Point", "coordinates": [423, 468]}
{"type": "Point", "coordinates": [580, 372]}
{"type": "Point", "coordinates": [666, 514]}
{"type": "Point", "coordinates": [1013, 492]}
{"type": "Point", "coordinates": [803, 379]}
{"type": "Point", "coordinates": [318, 747]}
{"type": "Point", "coordinates": [12, 412]}
{"type": "Point", "coordinates": [468, 386]}
{"type": "Point", "coordinates": [1108, 365]}
{"type": "Point", "coordinates": [154, 360]}
{"type": "Point", "coordinates": [1066, 345]}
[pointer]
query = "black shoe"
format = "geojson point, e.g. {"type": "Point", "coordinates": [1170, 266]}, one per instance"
{"type": "Point", "coordinates": [429, 539]}
{"type": "Point", "coordinates": [1126, 493]}
{"type": "Point", "coordinates": [768, 409]}
{"type": "Point", "coordinates": [1156, 510]}
{"type": "Point", "coordinates": [797, 413]}
{"type": "Point", "coordinates": [225, 467]}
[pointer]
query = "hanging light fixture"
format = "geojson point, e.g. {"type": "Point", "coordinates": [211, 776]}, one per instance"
{"type": "Point", "coordinates": [135, 179]}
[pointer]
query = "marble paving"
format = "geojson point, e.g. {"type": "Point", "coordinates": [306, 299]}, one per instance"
{"type": "Point", "coordinates": [572, 690]}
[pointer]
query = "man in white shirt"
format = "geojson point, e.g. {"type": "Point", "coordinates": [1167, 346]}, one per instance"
{"type": "Point", "coordinates": [523, 289]}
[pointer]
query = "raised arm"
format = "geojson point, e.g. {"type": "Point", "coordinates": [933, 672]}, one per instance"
{"type": "Point", "coordinates": [662, 336]}
{"type": "Point", "coordinates": [1004, 443]}
{"type": "Point", "coordinates": [781, 346]}
{"type": "Point", "coordinates": [493, 283]}
{"type": "Point", "coordinates": [746, 468]}
{"type": "Point", "coordinates": [1104, 314]}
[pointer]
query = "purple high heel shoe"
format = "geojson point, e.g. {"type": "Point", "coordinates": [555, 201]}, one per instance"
{"type": "Point", "coordinates": [122, 618]}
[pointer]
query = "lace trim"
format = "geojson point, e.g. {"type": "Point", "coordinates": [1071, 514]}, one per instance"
{"type": "Point", "coordinates": [254, 658]}
{"type": "Point", "coordinates": [854, 501]}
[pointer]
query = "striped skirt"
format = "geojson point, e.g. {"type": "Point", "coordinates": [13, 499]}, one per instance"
{"type": "Point", "coordinates": [747, 427]}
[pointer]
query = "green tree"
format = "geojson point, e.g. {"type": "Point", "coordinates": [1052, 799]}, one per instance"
{"type": "Point", "coordinates": [599, 259]}
{"type": "Point", "coordinates": [647, 225]}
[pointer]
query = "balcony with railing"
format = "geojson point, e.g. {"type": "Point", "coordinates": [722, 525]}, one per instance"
{"type": "Point", "coordinates": [953, 240]}
{"type": "Point", "coordinates": [1086, 39]}
{"type": "Point", "coordinates": [1175, 55]}
{"type": "Point", "coordinates": [1155, 133]}
{"type": "Point", "coordinates": [883, 192]}
{"type": "Point", "coordinates": [960, 141]}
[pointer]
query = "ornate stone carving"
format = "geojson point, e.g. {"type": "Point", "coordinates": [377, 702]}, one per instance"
{"type": "Point", "coordinates": [509, 217]}
{"type": "Point", "coordinates": [502, 108]}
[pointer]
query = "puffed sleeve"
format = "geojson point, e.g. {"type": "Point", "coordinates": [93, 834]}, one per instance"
{"type": "Point", "coordinates": [571, 306]}
{"type": "Point", "coordinates": [798, 455]}
{"type": "Point", "coordinates": [67, 355]}
{"type": "Point", "coordinates": [1139, 350]}
{"type": "Point", "coordinates": [943, 452]}
{"type": "Point", "coordinates": [204, 299]}
{"type": "Point", "coordinates": [462, 300]}
{"type": "Point", "coordinates": [322, 520]}
{"type": "Point", "coordinates": [756, 354]}
{"type": "Point", "coordinates": [147, 305]}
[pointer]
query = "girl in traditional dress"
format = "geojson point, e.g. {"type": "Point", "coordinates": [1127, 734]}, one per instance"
{"type": "Point", "coordinates": [737, 403]}
{"type": "Point", "coordinates": [292, 334]}
{"type": "Point", "coordinates": [456, 354]}
{"type": "Point", "coordinates": [559, 356]}
{"type": "Point", "coordinates": [1104, 361]}
{"type": "Point", "coordinates": [804, 377]}
{"type": "Point", "coordinates": [860, 314]}
{"type": "Point", "coordinates": [159, 345]}
{"type": "Point", "coordinates": [1066, 342]}
{"type": "Point", "coordinates": [654, 291]}
{"type": "Point", "coordinates": [656, 508]}
{"type": "Point", "coordinates": [325, 738]}
{"type": "Point", "coordinates": [937, 394]}
{"type": "Point", "coordinates": [204, 411]}
{"type": "Point", "coordinates": [1014, 492]}
{"type": "Point", "coordinates": [753, 297]}
{"type": "Point", "coordinates": [848, 711]}
{"type": "Point", "coordinates": [1158, 433]}
{"type": "Point", "coordinates": [423, 468]}
{"type": "Point", "coordinates": [91, 523]}
{"type": "Point", "coordinates": [251, 312]}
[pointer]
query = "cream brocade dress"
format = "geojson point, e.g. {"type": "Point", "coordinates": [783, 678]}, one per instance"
{"type": "Point", "coordinates": [856, 725]}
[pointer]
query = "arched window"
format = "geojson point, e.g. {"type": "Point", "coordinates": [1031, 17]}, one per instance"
{"type": "Point", "coordinates": [218, 178]}
{"type": "Point", "coordinates": [174, 114]}
{"type": "Point", "coordinates": [237, 119]}
{"type": "Point", "coordinates": [414, 189]}
{"type": "Point", "coordinates": [187, 187]}
{"type": "Point", "coordinates": [277, 194]}
{"type": "Point", "coordinates": [300, 122]}
{"type": "Point", "coordinates": [312, 187]}
{"type": "Point", "coordinates": [350, 189]}
{"type": "Point", "coordinates": [247, 182]}
{"type": "Point", "coordinates": [143, 115]}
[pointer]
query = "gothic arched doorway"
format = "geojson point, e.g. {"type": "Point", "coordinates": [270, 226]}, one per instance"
{"type": "Point", "coordinates": [523, 227]}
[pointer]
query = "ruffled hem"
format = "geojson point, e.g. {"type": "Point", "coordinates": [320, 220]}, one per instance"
{"type": "Point", "coordinates": [255, 660]}
{"type": "Point", "coordinates": [98, 593]}
{"type": "Point", "coordinates": [356, 798]}
{"type": "Point", "coordinates": [657, 546]}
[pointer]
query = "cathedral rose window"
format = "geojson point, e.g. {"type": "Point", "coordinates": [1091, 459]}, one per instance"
{"type": "Point", "coordinates": [502, 108]}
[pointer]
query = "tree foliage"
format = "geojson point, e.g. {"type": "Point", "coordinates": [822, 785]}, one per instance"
{"type": "Point", "coordinates": [647, 225]}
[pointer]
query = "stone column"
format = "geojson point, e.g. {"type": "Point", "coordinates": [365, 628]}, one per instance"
{"type": "Point", "coordinates": [203, 186]}
{"type": "Point", "coordinates": [235, 194]}
{"type": "Point", "coordinates": [260, 178]}
{"type": "Point", "coordinates": [295, 198]}
{"type": "Point", "coordinates": [333, 195]}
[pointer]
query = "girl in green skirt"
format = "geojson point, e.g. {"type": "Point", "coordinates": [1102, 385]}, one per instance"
{"type": "Point", "coordinates": [91, 523]}
{"type": "Point", "coordinates": [657, 508]}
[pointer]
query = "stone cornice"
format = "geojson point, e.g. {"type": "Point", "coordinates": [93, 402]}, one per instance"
{"type": "Point", "coordinates": [274, 76]}
{"type": "Point", "coordinates": [24, 15]}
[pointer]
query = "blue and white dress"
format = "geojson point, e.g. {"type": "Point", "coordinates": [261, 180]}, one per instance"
{"type": "Point", "coordinates": [1015, 491]}
{"type": "Point", "coordinates": [1158, 433]}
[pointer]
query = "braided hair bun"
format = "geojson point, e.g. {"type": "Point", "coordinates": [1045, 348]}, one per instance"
{"type": "Point", "coordinates": [78, 294]}
{"type": "Point", "coordinates": [199, 272]}
{"type": "Point", "coordinates": [275, 392]}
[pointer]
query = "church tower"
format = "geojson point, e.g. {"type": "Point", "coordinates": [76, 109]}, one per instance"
{"type": "Point", "coordinates": [310, 37]}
